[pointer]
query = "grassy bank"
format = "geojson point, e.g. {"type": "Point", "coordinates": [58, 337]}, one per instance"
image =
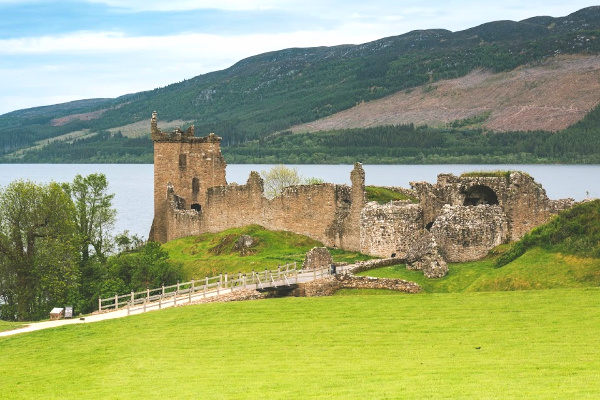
{"type": "Point", "coordinates": [7, 326]}
{"type": "Point", "coordinates": [527, 344]}
{"type": "Point", "coordinates": [210, 254]}
{"type": "Point", "coordinates": [536, 269]}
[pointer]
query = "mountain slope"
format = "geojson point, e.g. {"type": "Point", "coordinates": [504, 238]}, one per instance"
{"type": "Point", "coordinates": [548, 96]}
{"type": "Point", "coordinates": [273, 91]}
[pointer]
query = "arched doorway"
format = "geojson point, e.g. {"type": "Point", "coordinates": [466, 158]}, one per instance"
{"type": "Point", "coordinates": [480, 194]}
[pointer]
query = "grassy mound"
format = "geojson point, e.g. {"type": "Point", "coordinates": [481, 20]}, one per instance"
{"type": "Point", "coordinates": [213, 253]}
{"type": "Point", "coordinates": [575, 231]}
{"type": "Point", "coordinates": [383, 195]}
{"type": "Point", "coordinates": [536, 269]}
{"type": "Point", "coordinates": [528, 344]}
{"type": "Point", "coordinates": [486, 174]}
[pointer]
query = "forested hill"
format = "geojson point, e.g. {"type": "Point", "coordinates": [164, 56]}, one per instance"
{"type": "Point", "coordinates": [272, 92]}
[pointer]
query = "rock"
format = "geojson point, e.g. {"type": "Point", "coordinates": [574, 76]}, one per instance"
{"type": "Point", "coordinates": [317, 257]}
{"type": "Point", "coordinates": [424, 255]}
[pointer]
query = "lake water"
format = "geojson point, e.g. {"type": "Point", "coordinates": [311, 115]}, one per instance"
{"type": "Point", "coordinates": [132, 184]}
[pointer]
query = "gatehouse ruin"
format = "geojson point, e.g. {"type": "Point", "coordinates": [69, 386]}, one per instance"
{"type": "Point", "coordinates": [459, 218]}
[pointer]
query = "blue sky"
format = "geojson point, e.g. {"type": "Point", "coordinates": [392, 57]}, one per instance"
{"type": "Point", "coordinates": [58, 51]}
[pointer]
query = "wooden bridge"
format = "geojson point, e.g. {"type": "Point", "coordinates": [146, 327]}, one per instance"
{"type": "Point", "coordinates": [187, 292]}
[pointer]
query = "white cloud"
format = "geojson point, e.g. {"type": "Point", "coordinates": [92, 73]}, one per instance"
{"type": "Point", "coordinates": [183, 5]}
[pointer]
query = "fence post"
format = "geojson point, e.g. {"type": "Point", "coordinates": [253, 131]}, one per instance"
{"type": "Point", "coordinates": [163, 290]}
{"type": "Point", "coordinates": [116, 301]}
{"type": "Point", "coordinates": [145, 301]}
{"type": "Point", "coordinates": [190, 292]}
{"type": "Point", "coordinates": [205, 286]}
{"type": "Point", "coordinates": [244, 281]}
{"type": "Point", "coordinates": [99, 304]}
{"type": "Point", "coordinates": [160, 302]}
{"type": "Point", "coordinates": [279, 272]}
{"type": "Point", "coordinates": [148, 293]}
{"type": "Point", "coordinates": [314, 272]}
{"type": "Point", "coordinates": [132, 298]}
{"type": "Point", "coordinates": [128, 307]}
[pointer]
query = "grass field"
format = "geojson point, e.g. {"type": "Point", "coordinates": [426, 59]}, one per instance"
{"type": "Point", "coordinates": [528, 344]}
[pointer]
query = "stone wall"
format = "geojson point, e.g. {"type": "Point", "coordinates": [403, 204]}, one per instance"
{"type": "Point", "coordinates": [362, 266]}
{"type": "Point", "coordinates": [190, 165]}
{"type": "Point", "coordinates": [389, 229]}
{"type": "Point", "coordinates": [329, 285]}
{"type": "Point", "coordinates": [192, 197]}
{"type": "Point", "coordinates": [523, 201]}
{"type": "Point", "coordinates": [316, 258]}
{"type": "Point", "coordinates": [469, 233]}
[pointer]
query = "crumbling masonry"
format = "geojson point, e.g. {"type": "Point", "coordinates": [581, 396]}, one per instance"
{"type": "Point", "coordinates": [456, 219]}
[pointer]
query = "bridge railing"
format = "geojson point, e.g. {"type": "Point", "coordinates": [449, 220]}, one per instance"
{"type": "Point", "coordinates": [180, 292]}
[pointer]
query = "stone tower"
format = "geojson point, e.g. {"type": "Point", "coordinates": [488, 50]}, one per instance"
{"type": "Point", "coordinates": [187, 164]}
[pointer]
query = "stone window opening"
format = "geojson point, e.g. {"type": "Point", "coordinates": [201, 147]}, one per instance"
{"type": "Point", "coordinates": [195, 186]}
{"type": "Point", "coordinates": [197, 207]}
{"type": "Point", "coordinates": [480, 194]}
{"type": "Point", "coordinates": [182, 160]}
{"type": "Point", "coordinates": [428, 226]}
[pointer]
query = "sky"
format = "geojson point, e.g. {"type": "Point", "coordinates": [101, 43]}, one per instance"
{"type": "Point", "coordinates": [54, 51]}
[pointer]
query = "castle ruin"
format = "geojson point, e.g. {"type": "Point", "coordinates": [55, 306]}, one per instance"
{"type": "Point", "coordinates": [459, 217]}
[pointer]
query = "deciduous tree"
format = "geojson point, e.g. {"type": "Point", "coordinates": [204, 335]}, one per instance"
{"type": "Point", "coordinates": [278, 178]}
{"type": "Point", "coordinates": [94, 216]}
{"type": "Point", "coordinates": [38, 257]}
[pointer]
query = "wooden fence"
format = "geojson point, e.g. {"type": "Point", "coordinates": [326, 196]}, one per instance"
{"type": "Point", "coordinates": [166, 296]}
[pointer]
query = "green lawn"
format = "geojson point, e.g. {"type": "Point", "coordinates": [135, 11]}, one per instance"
{"type": "Point", "coordinates": [7, 326]}
{"type": "Point", "coordinates": [210, 254]}
{"type": "Point", "coordinates": [523, 344]}
{"type": "Point", "coordinates": [536, 269]}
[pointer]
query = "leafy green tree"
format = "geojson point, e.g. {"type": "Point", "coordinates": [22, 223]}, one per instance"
{"type": "Point", "coordinates": [278, 178]}
{"type": "Point", "coordinates": [94, 216]}
{"type": "Point", "coordinates": [38, 255]}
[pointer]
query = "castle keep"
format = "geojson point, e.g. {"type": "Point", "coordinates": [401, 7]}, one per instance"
{"type": "Point", "coordinates": [456, 219]}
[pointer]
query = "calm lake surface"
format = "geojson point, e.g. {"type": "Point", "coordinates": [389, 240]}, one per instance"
{"type": "Point", "coordinates": [132, 184]}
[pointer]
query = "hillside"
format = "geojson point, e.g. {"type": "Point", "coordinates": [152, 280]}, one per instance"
{"type": "Point", "coordinates": [548, 96]}
{"type": "Point", "coordinates": [272, 92]}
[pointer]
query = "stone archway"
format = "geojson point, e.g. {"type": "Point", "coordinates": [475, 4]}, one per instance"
{"type": "Point", "coordinates": [480, 194]}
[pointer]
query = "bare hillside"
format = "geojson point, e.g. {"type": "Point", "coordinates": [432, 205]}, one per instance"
{"type": "Point", "coordinates": [549, 96]}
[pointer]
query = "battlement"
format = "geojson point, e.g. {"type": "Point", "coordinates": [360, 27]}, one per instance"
{"type": "Point", "coordinates": [178, 135]}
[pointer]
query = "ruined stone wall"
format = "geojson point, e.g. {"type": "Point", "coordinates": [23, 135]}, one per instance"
{"type": "Point", "coordinates": [329, 285]}
{"type": "Point", "coordinates": [318, 211]}
{"type": "Point", "coordinates": [326, 212]}
{"type": "Point", "coordinates": [190, 164]}
{"type": "Point", "coordinates": [317, 257]}
{"type": "Point", "coordinates": [469, 233]}
{"type": "Point", "coordinates": [389, 229]}
{"type": "Point", "coordinates": [522, 199]}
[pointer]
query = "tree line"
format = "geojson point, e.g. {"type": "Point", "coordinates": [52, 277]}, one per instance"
{"type": "Point", "coordinates": [57, 248]}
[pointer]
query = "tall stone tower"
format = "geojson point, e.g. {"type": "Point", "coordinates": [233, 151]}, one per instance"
{"type": "Point", "coordinates": [189, 165]}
